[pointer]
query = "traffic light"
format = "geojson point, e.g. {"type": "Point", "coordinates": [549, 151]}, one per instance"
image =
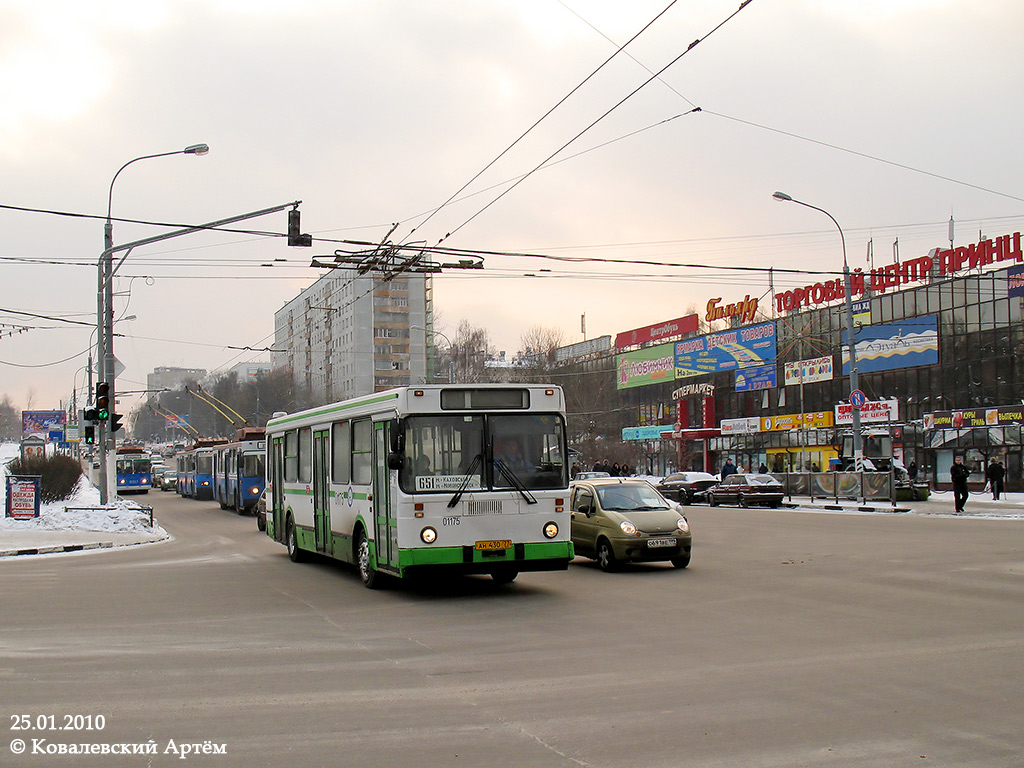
{"type": "Point", "coordinates": [102, 401]}
{"type": "Point", "coordinates": [91, 416]}
{"type": "Point", "coordinates": [90, 434]}
{"type": "Point", "coordinates": [115, 422]}
{"type": "Point", "coordinates": [294, 238]}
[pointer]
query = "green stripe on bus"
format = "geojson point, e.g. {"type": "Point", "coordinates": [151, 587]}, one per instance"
{"type": "Point", "coordinates": [454, 555]}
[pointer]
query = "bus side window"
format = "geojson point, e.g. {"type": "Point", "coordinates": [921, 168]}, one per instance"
{"type": "Point", "coordinates": [291, 456]}
{"type": "Point", "coordinates": [305, 455]}
{"type": "Point", "coordinates": [362, 452]}
{"type": "Point", "coordinates": [341, 452]}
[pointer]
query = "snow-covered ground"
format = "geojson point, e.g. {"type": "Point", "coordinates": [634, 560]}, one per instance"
{"type": "Point", "coordinates": [121, 516]}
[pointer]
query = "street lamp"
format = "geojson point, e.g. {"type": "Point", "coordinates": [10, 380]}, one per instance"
{"type": "Point", "coordinates": [858, 449]}
{"type": "Point", "coordinates": [451, 346]}
{"type": "Point", "coordinates": [105, 320]}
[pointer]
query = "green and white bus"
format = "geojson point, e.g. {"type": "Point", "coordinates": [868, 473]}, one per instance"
{"type": "Point", "coordinates": [466, 478]}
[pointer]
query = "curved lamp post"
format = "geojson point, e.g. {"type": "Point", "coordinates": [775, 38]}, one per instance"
{"type": "Point", "coordinates": [450, 346]}
{"type": "Point", "coordinates": [858, 449]}
{"type": "Point", "coordinates": [105, 320]}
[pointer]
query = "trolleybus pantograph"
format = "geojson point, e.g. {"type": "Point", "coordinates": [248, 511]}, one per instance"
{"type": "Point", "coordinates": [464, 478]}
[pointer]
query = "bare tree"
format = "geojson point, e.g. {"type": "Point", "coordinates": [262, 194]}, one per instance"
{"type": "Point", "coordinates": [470, 349]}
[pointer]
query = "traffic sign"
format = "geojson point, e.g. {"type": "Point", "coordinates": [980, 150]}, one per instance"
{"type": "Point", "coordinates": [858, 399]}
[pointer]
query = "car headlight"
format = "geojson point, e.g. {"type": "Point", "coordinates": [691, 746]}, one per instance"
{"type": "Point", "coordinates": [550, 530]}
{"type": "Point", "coordinates": [683, 525]}
{"type": "Point", "coordinates": [628, 528]}
{"type": "Point", "coordinates": [429, 535]}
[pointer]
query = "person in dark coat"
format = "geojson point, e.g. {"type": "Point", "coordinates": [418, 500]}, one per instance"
{"type": "Point", "coordinates": [995, 474]}
{"type": "Point", "coordinates": [912, 471]}
{"type": "Point", "coordinates": [959, 473]}
{"type": "Point", "coordinates": [728, 469]}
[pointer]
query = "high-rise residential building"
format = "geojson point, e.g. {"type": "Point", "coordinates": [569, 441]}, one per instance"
{"type": "Point", "coordinates": [349, 334]}
{"type": "Point", "coordinates": [172, 378]}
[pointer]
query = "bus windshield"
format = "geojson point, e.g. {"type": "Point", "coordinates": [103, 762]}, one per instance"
{"type": "Point", "coordinates": [440, 451]}
{"type": "Point", "coordinates": [252, 465]}
{"type": "Point", "coordinates": [204, 464]}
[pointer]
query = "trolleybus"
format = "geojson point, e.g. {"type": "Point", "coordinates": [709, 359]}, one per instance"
{"type": "Point", "coordinates": [238, 470]}
{"type": "Point", "coordinates": [195, 469]}
{"type": "Point", "coordinates": [134, 469]}
{"type": "Point", "coordinates": [466, 478]}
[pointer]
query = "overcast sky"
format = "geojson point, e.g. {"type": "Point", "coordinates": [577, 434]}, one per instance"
{"type": "Point", "coordinates": [893, 115]}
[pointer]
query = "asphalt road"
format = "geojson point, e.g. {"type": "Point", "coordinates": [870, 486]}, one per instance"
{"type": "Point", "coordinates": [794, 639]}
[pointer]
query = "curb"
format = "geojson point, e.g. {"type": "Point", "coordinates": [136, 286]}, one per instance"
{"type": "Point", "coordinates": [56, 549]}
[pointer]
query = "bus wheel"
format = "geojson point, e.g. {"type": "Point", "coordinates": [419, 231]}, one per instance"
{"type": "Point", "coordinates": [367, 574]}
{"type": "Point", "coordinates": [504, 575]}
{"type": "Point", "coordinates": [292, 542]}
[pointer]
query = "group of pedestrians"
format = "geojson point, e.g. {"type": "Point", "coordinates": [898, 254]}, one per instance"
{"type": "Point", "coordinates": [614, 469]}
{"type": "Point", "coordinates": [995, 476]}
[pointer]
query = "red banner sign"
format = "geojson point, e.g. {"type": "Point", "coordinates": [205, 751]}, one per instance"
{"type": "Point", "coordinates": [657, 333]}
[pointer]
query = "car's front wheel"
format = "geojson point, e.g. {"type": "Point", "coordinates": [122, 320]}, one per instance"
{"type": "Point", "coordinates": [682, 561]}
{"type": "Point", "coordinates": [606, 556]}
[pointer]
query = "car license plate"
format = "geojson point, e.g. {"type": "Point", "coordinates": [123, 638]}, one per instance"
{"type": "Point", "coordinates": [661, 543]}
{"type": "Point", "coordinates": [495, 544]}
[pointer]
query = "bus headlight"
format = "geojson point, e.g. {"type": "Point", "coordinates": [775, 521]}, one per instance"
{"type": "Point", "coordinates": [683, 525]}
{"type": "Point", "coordinates": [429, 535]}
{"type": "Point", "coordinates": [255, 490]}
{"type": "Point", "coordinates": [551, 530]}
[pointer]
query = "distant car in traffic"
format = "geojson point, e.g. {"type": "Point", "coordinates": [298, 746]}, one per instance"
{"type": "Point", "coordinates": [260, 511]}
{"type": "Point", "coordinates": [746, 490]}
{"type": "Point", "coordinates": [590, 475]}
{"type": "Point", "coordinates": [623, 519]}
{"type": "Point", "coordinates": [687, 487]}
{"type": "Point", "coordinates": [169, 480]}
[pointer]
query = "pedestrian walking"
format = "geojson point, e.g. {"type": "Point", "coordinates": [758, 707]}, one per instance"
{"type": "Point", "coordinates": [728, 469]}
{"type": "Point", "coordinates": [912, 471]}
{"type": "Point", "coordinates": [959, 473]}
{"type": "Point", "coordinates": [995, 474]}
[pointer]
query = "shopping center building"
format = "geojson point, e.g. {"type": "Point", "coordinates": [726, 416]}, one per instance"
{"type": "Point", "coordinates": [940, 358]}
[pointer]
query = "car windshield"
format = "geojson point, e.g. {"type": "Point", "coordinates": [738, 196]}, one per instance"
{"type": "Point", "coordinates": [630, 497]}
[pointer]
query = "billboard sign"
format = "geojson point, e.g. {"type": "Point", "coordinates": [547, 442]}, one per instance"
{"type": "Point", "coordinates": [750, 379]}
{"type": "Point", "coordinates": [815, 369]}
{"type": "Point", "coordinates": [1001, 416]}
{"type": "Point", "coordinates": [659, 332]}
{"type": "Point", "coordinates": [43, 423]}
{"type": "Point", "coordinates": [788, 421]}
{"type": "Point", "coordinates": [645, 433]}
{"type": "Point", "coordinates": [651, 365]}
{"type": "Point", "coordinates": [732, 350]}
{"type": "Point", "coordinates": [891, 346]}
{"type": "Point", "coordinates": [583, 349]}
{"type": "Point", "coordinates": [1015, 282]}
{"type": "Point", "coordinates": [872, 411]}
{"type": "Point", "coordinates": [741, 426]}
{"type": "Point", "coordinates": [22, 497]}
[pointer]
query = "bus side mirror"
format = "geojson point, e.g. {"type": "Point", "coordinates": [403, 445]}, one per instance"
{"type": "Point", "coordinates": [396, 432]}
{"type": "Point", "coordinates": [396, 460]}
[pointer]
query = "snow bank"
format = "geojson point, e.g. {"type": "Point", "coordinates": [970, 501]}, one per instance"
{"type": "Point", "coordinates": [80, 512]}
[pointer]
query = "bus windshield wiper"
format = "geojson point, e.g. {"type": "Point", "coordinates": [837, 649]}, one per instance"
{"type": "Point", "coordinates": [514, 481]}
{"type": "Point", "coordinates": [465, 480]}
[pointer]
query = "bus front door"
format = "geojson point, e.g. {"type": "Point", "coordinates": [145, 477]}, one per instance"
{"type": "Point", "coordinates": [321, 493]}
{"type": "Point", "coordinates": [386, 531]}
{"type": "Point", "coordinates": [277, 479]}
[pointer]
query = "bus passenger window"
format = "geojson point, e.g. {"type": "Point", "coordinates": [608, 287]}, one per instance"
{"type": "Point", "coordinates": [341, 452]}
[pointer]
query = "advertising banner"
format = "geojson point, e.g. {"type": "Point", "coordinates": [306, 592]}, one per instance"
{"type": "Point", "coordinates": [762, 377]}
{"type": "Point", "coordinates": [735, 349]}
{"type": "Point", "coordinates": [42, 423]}
{"type": "Point", "coordinates": [659, 332]}
{"type": "Point", "coordinates": [1015, 282]}
{"type": "Point", "coordinates": [815, 369]}
{"type": "Point", "coordinates": [741, 426]}
{"type": "Point", "coordinates": [646, 366]}
{"type": "Point", "coordinates": [1000, 416]}
{"type": "Point", "coordinates": [583, 349]}
{"type": "Point", "coordinates": [645, 433]}
{"type": "Point", "coordinates": [873, 411]}
{"type": "Point", "coordinates": [861, 312]}
{"type": "Point", "coordinates": [891, 346]}
{"type": "Point", "coordinates": [22, 497]}
{"type": "Point", "coordinates": [787, 421]}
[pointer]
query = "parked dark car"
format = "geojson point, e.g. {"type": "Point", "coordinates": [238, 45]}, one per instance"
{"type": "Point", "coordinates": [746, 490]}
{"type": "Point", "coordinates": [687, 487]}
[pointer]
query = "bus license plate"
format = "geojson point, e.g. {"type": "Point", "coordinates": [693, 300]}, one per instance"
{"type": "Point", "coordinates": [495, 544]}
{"type": "Point", "coordinates": [661, 543]}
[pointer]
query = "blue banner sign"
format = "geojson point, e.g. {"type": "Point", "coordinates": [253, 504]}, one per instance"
{"type": "Point", "coordinates": [899, 344]}
{"type": "Point", "coordinates": [762, 377]}
{"type": "Point", "coordinates": [645, 433]}
{"type": "Point", "coordinates": [732, 350]}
